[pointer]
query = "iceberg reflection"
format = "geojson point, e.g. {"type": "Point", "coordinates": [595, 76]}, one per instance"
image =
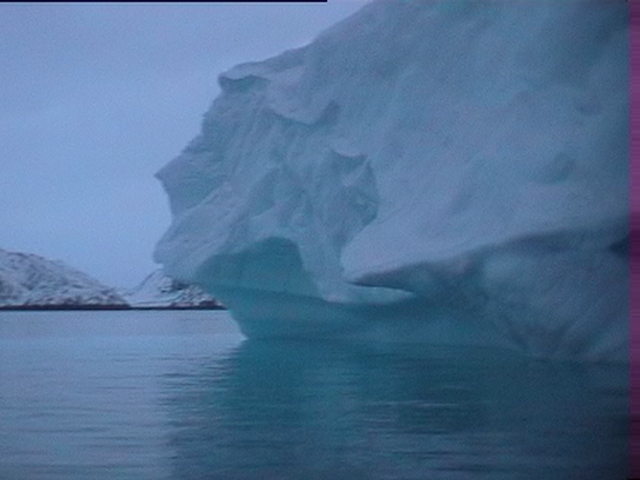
{"type": "Point", "coordinates": [302, 410]}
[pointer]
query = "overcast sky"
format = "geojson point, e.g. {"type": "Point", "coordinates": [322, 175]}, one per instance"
{"type": "Point", "coordinates": [95, 98]}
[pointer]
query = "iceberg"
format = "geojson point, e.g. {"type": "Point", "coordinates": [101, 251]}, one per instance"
{"type": "Point", "coordinates": [451, 172]}
{"type": "Point", "coordinates": [159, 291]}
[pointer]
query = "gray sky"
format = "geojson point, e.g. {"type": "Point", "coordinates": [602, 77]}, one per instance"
{"type": "Point", "coordinates": [95, 98]}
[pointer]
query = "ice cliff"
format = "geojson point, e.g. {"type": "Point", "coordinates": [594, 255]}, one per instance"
{"type": "Point", "coordinates": [31, 281]}
{"type": "Point", "coordinates": [449, 172]}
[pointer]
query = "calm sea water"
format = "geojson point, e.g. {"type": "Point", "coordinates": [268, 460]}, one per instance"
{"type": "Point", "coordinates": [181, 395]}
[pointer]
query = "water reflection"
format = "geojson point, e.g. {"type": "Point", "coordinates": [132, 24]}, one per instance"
{"type": "Point", "coordinates": [291, 410]}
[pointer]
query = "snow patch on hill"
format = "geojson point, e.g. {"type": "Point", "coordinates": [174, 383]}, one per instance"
{"type": "Point", "coordinates": [28, 280]}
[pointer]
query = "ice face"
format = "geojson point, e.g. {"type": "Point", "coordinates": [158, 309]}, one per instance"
{"type": "Point", "coordinates": [450, 171]}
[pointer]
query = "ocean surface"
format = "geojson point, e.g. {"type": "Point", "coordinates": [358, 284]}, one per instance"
{"type": "Point", "coordinates": [182, 395]}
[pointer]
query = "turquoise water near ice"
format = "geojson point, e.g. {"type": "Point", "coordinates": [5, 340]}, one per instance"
{"type": "Point", "coordinates": [182, 395]}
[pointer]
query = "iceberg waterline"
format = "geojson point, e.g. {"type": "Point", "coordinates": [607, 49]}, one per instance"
{"type": "Point", "coordinates": [447, 172]}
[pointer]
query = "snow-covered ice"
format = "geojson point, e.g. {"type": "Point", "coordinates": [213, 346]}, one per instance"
{"type": "Point", "coordinates": [448, 171]}
{"type": "Point", "coordinates": [159, 291]}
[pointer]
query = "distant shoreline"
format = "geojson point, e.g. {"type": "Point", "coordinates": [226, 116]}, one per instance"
{"type": "Point", "coordinates": [102, 307]}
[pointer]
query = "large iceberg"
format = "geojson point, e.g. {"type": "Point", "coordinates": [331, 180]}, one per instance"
{"type": "Point", "coordinates": [450, 171]}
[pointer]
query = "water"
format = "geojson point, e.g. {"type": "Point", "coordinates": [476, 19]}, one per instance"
{"type": "Point", "coordinates": [181, 395]}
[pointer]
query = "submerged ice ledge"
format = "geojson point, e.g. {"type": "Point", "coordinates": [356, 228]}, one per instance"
{"type": "Point", "coordinates": [443, 172]}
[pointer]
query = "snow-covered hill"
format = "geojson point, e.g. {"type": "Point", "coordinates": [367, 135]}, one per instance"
{"type": "Point", "coordinates": [160, 291]}
{"type": "Point", "coordinates": [28, 280]}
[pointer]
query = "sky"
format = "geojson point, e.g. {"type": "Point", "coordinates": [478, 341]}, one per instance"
{"type": "Point", "coordinates": [96, 98]}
